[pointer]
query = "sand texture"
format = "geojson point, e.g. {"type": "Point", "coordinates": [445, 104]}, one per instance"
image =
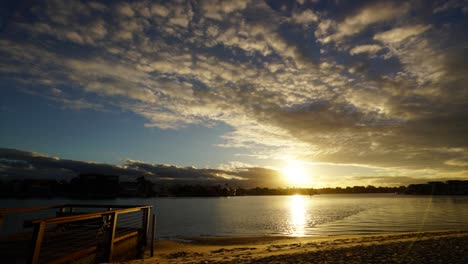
{"type": "Point", "coordinates": [427, 247]}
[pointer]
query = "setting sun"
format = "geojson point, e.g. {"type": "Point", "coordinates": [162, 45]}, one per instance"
{"type": "Point", "coordinates": [295, 173]}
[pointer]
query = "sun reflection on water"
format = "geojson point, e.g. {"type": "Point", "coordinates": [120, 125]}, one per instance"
{"type": "Point", "coordinates": [297, 215]}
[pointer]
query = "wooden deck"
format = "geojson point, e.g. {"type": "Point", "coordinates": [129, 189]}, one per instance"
{"type": "Point", "coordinates": [117, 233]}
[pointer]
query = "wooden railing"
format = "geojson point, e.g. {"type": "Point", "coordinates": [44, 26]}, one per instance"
{"type": "Point", "coordinates": [75, 234]}
{"type": "Point", "coordinates": [5, 211]}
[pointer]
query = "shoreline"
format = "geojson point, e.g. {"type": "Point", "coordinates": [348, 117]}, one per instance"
{"type": "Point", "coordinates": [445, 246]}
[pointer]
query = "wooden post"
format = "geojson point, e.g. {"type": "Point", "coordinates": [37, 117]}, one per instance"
{"type": "Point", "coordinates": [38, 235]}
{"type": "Point", "coordinates": [152, 234]}
{"type": "Point", "coordinates": [110, 242]}
{"type": "Point", "coordinates": [146, 222]}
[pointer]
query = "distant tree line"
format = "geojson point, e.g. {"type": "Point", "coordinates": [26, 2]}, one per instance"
{"type": "Point", "coordinates": [455, 187]}
{"type": "Point", "coordinates": [313, 191]}
{"type": "Point", "coordinates": [85, 186]}
{"type": "Point", "coordinates": [94, 186]}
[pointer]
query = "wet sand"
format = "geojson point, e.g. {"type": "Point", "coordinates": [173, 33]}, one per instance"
{"type": "Point", "coordinates": [425, 247]}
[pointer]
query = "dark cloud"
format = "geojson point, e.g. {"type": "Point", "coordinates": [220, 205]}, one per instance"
{"type": "Point", "coordinates": [39, 165]}
{"type": "Point", "coordinates": [19, 164]}
{"type": "Point", "coordinates": [176, 173]}
{"type": "Point", "coordinates": [390, 180]}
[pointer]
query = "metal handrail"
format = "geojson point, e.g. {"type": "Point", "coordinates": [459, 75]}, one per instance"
{"type": "Point", "coordinates": [41, 224]}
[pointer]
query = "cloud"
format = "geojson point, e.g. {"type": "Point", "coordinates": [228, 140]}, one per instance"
{"type": "Point", "coordinates": [305, 17]}
{"type": "Point", "coordinates": [451, 4]}
{"type": "Point", "coordinates": [159, 10]}
{"type": "Point", "coordinates": [463, 162]}
{"type": "Point", "coordinates": [36, 165]}
{"type": "Point", "coordinates": [283, 91]}
{"type": "Point", "coordinates": [218, 10]}
{"type": "Point", "coordinates": [125, 10]}
{"type": "Point", "coordinates": [75, 37]}
{"type": "Point", "coordinates": [368, 15]}
{"type": "Point", "coordinates": [399, 34]}
{"type": "Point", "coordinates": [390, 180]}
{"type": "Point", "coordinates": [98, 29]}
{"type": "Point", "coordinates": [371, 49]}
{"type": "Point", "coordinates": [182, 15]}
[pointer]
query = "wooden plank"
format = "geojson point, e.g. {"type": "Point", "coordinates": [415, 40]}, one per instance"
{"type": "Point", "coordinates": [74, 255]}
{"type": "Point", "coordinates": [65, 219]}
{"type": "Point", "coordinates": [5, 211]}
{"type": "Point", "coordinates": [123, 237]}
{"type": "Point", "coordinates": [38, 235]}
{"type": "Point", "coordinates": [152, 234]}
{"type": "Point", "coordinates": [147, 223]}
{"type": "Point", "coordinates": [105, 206]}
{"type": "Point", "coordinates": [143, 241]}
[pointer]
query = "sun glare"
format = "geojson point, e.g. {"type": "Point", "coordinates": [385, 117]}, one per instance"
{"type": "Point", "coordinates": [296, 174]}
{"type": "Point", "coordinates": [297, 215]}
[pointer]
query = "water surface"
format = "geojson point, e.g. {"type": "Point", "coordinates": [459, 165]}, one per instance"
{"type": "Point", "coordinates": [318, 215]}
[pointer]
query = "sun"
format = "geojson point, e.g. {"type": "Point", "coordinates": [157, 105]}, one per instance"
{"type": "Point", "coordinates": [295, 173]}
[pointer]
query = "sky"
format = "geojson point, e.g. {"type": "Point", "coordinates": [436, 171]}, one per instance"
{"type": "Point", "coordinates": [257, 93]}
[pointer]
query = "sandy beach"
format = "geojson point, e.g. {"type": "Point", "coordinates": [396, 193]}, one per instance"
{"type": "Point", "coordinates": [425, 247]}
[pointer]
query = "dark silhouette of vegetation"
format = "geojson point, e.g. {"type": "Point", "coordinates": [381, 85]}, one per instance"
{"type": "Point", "coordinates": [94, 186]}
{"type": "Point", "coordinates": [201, 190]}
{"type": "Point", "coordinates": [313, 191]}
{"type": "Point", "coordinates": [439, 188]}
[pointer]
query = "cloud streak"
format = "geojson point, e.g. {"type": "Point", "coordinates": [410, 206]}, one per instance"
{"type": "Point", "coordinates": [399, 34]}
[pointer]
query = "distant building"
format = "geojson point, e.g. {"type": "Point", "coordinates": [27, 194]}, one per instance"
{"type": "Point", "coordinates": [39, 188]}
{"type": "Point", "coordinates": [97, 186]}
{"type": "Point", "coordinates": [160, 190]}
{"type": "Point", "coordinates": [129, 189]}
{"type": "Point", "coordinates": [11, 188]}
{"type": "Point", "coordinates": [228, 191]}
{"type": "Point", "coordinates": [145, 187]}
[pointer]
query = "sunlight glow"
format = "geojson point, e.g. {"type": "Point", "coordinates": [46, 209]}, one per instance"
{"type": "Point", "coordinates": [296, 174]}
{"type": "Point", "coordinates": [298, 215]}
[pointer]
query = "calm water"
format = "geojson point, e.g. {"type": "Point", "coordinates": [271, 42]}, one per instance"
{"type": "Point", "coordinates": [319, 215]}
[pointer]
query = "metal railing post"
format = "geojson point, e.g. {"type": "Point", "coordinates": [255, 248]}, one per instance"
{"type": "Point", "coordinates": [113, 227]}
{"type": "Point", "coordinates": [38, 235]}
